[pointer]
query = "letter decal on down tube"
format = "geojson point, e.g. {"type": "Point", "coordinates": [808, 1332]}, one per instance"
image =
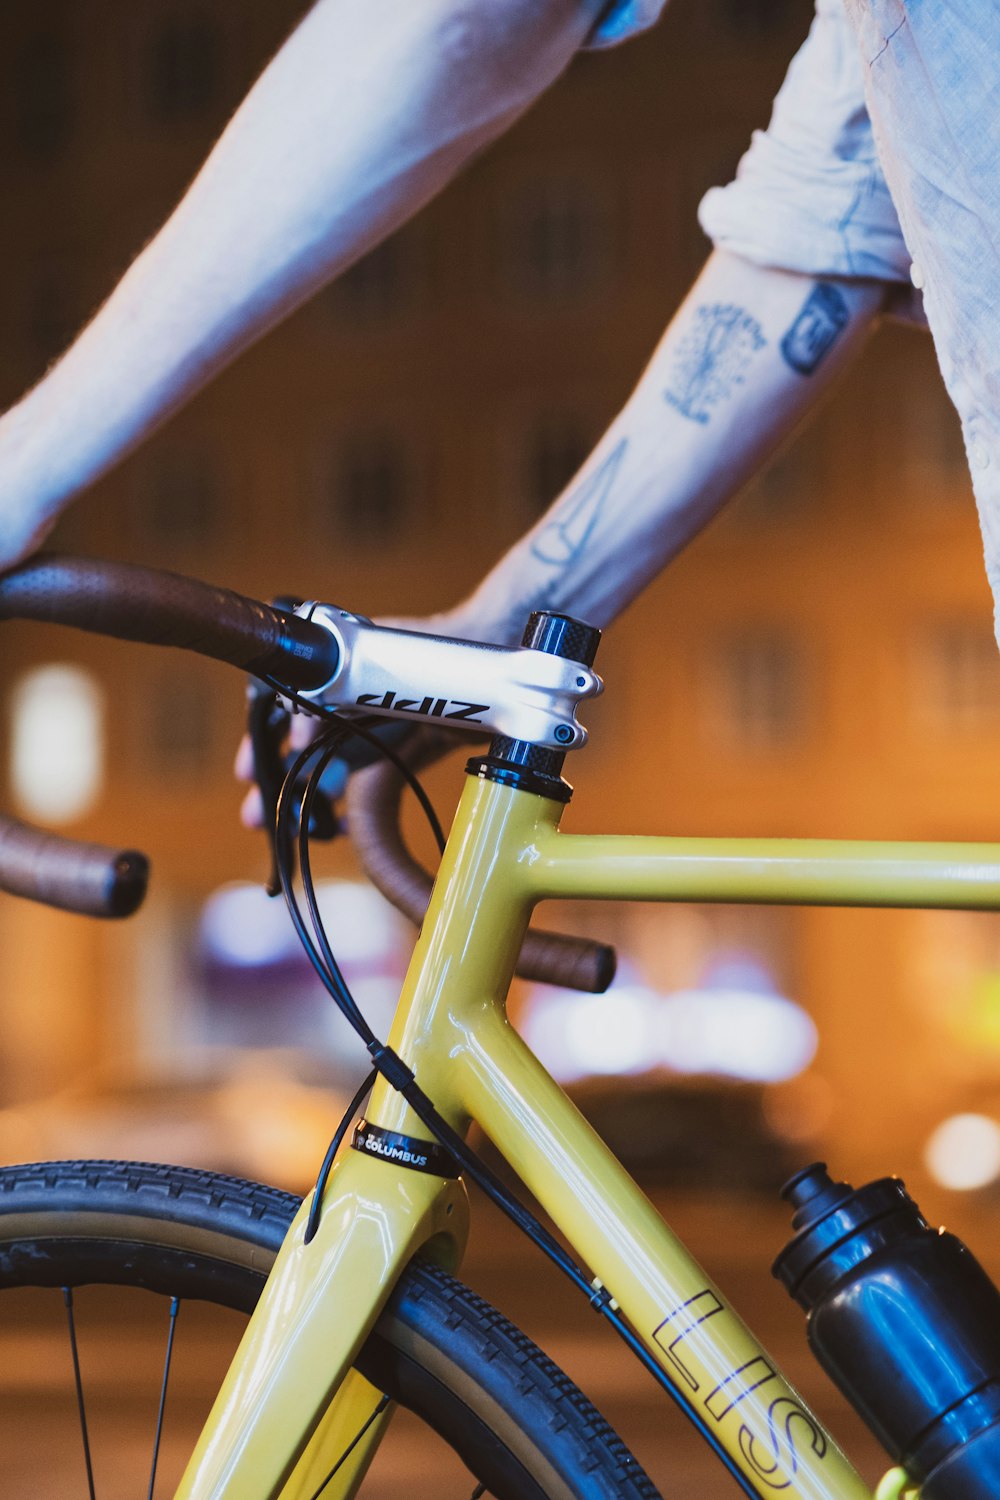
{"type": "Point", "coordinates": [729, 1392]}
{"type": "Point", "coordinates": [677, 1325]}
{"type": "Point", "coordinates": [783, 1416]}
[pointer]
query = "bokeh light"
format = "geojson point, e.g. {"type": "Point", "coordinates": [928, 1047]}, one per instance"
{"type": "Point", "coordinates": [963, 1153]}
{"type": "Point", "coordinates": [57, 743]}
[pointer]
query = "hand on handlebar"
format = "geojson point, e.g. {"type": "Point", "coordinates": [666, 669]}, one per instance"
{"type": "Point", "coordinates": [302, 730]}
{"type": "Point", "coordinates": [132, 603]}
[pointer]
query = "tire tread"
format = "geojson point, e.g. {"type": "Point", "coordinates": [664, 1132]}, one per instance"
{"type": "Point", "coordinates": [490, 1353]}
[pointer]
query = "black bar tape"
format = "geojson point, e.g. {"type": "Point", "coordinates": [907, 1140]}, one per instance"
{"type": "Point", "coordinates": [164, 609]}
{"type": "Point", "coordinates": [373, 815]}
{"type": "Point", "coordinates": [85, 878]}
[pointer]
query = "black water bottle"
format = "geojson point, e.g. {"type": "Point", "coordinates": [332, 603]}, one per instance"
{"type": "Point", "coordinates": [906, 1322]}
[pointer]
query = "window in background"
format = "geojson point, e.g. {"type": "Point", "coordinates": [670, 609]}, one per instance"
{"type": "Point", "coordinates": [44, 95]}
{"type": "Point", "coordinates": [554, 447]}
{"type": "Point", "coordinates": [957, 680]}
{"type": "Point", "coordinates": [176, 497]}
{"type": "Point", "coordinates": [758, 20]}
{"type": "Point", "coordinates": [183, 68]}
{"type": "Point", "coordinates": [381, 286]}
{"type": "Point", "coordinates": [787, 488]}
{"type": "Point", "coordinates": [556, 239]}
{"type": "Point", "coordinates": [930, 451]}
{"type": "Point", "coordinates": [757, 687]}
{"type": "Point", "coordinates": [371, 490]}
{"type": "Point", "coordinates": [710, 160]}
{"type": "Point", "coordinates": [178, 720]}
{"type": "Point", "coordinates": [56, 743]}
{"type": "Point", "coordinates": [54, 307]}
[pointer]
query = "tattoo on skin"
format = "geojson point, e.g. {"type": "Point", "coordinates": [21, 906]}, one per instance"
{"type": "Point", "coordinates": [823, 318]}
{"type": "Point", "coordinates": [712, 358]}
{"type": "Point", "coordinates": [563, 539]}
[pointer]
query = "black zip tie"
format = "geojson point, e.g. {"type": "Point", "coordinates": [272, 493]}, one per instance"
{"type": "Point", "coordinates": [394, 1071]}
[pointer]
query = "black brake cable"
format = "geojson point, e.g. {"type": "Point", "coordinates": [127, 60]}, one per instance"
{"type": "Point", "coordinates": [324, 962]}
{"type": "Point", "coordinates": [402, 1079]}
{"type": "Point", "coordinates": [327, 746]}
{"type": "Point", "coordinates": [312, 1223]}
{"type": "Point", "coordinates": [362, 728]}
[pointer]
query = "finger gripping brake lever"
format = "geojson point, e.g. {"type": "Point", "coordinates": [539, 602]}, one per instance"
{"type": "Point", "coordinates": [268, 719]}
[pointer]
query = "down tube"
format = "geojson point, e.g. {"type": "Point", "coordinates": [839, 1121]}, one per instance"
{"type": "Point", "coordinates": [705, 1349]}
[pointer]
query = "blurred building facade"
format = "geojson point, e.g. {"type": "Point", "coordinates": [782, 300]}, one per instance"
{"type": "Point", "coordinates": [821, 661]}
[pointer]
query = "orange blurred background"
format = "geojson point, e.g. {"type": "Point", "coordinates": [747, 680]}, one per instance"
{"type": "Point", "coordinates": [821, 662]}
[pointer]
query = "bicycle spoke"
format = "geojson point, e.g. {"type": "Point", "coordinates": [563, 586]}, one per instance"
{"type": "Point", "coordinates": [175, 1303]}
{"type": "Point", "coordinates": [380, 1408]}
{"type": "Point", "coordinates": [68, 1300]}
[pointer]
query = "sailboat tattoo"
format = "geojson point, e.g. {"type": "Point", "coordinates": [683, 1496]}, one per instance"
{"type": "Point", "coordinates": [564, 538]}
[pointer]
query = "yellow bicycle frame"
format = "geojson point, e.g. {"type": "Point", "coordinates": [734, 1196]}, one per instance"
{"type": "Point", "coordinates": [291, 1404]}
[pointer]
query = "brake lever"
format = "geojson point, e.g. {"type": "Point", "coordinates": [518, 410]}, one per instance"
{"type": "Point", "coordinates": [267, 725]}
{"type": "Point", "coordinates": [268, 719]}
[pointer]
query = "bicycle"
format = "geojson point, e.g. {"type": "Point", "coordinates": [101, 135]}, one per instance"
{"type": "Point", "coordinates": [354, 1305]}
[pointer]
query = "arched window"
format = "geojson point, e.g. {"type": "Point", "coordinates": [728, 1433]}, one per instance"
{"type": "Point", "coordinates": [44, 95]}
{"type": "Point", "coordinates": [56, 743]}
{"type": "Point", "coordinates": [555, 239]}
{"type": "Point", "coordinates": [371, 487]}
{"type": "Point", "coordinates": [759, 697]}
{"type": "Point", "coordinates": [183, 68]}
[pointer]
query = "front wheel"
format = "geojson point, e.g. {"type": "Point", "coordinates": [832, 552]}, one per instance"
{"type": "Point", "coordinates": [106, 1378]}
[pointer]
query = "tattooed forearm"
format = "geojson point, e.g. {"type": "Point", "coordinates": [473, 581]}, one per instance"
{"type": "Point", "coordinates": [564, 538]}
{"type": "Point", "coordinates": [816, 329]}
{"type": "Point", "coordinates": [711, 359]}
